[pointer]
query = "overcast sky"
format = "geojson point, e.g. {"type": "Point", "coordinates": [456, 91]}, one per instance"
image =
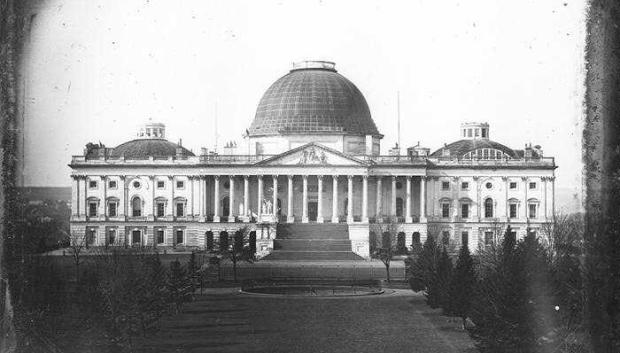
{"type": "Point", "coordinates": [96, 70]}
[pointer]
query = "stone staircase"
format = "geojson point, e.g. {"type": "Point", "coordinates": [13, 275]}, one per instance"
{"type": "Point", "coordinates": [312, 242]}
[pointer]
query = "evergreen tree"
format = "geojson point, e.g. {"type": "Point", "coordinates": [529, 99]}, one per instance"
{"type": "Point", "coordinates": [178, 286]}
{"type": "Point", "coordinates": [192, 272]}
{"type": "Point", "coordinates": [425, 268]}
{"type": "Point", "coordinates": [462, 285]}
{"type": "Point", "coordinates": [444, 276]}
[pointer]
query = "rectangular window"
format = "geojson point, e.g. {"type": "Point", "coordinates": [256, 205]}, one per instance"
{"type": "Point", "coordinates": [513, 185]}
{"type": "Point", "coordinates": [112, 184]}
{"type": "Point", "coordinates": [445, 210]}
{"type": "Point", "coordinates": [445, 237]}
{"type": "Point", "coordinates": [484, 132]}
{"type": "Point", "coordinates": [180, 184]}
{"type": "Point", "coordinates": [445, 185]}
{"type": "Point", "coordinates": [112, 209]}
{"type": "Point", "coordinates": [532, 209]}
{"type": "Point", "coordinates": [180, 209]}
{"type": "Point", "coordinates": [161, 209]}
{"type": "Point", "coordinates": [92, 184]}
{"type": "Point", "coordinates": [532, 186]}
{"type": "Point", "coordinates": [464, 185]}
{"type": "Point", "coordinates": [160, 236]}
{"type": "Point", "coordinates": [92, 209]}
{"type": "Point", "coordinates": [111, 236]}
{"type": "Point", "coordinates": [513, 210]}
{"type": "Point", "coordinates": [160, 184]}
{"type": "Point", "coordinates": [179, 236]}
{"type": "Point", "coordinates": [476, 132]}
{"type": "Point", "coordinates": [486, 154]}
{"type": "Point", "coordinates": [468, 132]}
{"type": "Point", "coordinates": [465, 210]}
{"type": "Point", "coordinates": [488, 238]}
{"type": "Point", "coordinates": [464, 238]}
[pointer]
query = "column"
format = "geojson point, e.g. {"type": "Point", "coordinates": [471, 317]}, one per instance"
{"type": "Point", "coordinates": [200, 198]}
{"type": "Point", "coordinates": [259, 198]}
{"type": "Point", "coordinates": [365, 199]}
{"type": "Point", "coordinates": [476, 210]}
{"type": "Point", "coordinates": [85, 199]}
{"type": "Point", "coordinates": [423, 199]}
{"type": "Point", "coordinates": [122, 208]}
{"type": "Point", "coordinates": [231, 200]}
{"type": "Point", "coordinates": [75, 195]}
{"type": "Point", "coordinates": [543, 212]}
{"type": "Point", "coordinates": [552, 196]}
{"type": "Point", "coordinates": [319, 205]}
{"type": "Point", "coordinates": [379, 215]}
{"type": "Point", "coordinates": [393, 198]}
{"type": "Point", "coordinates": [408, 218]}
{"type": "Point", "coordinates": [275, 197]}
{"type": "Point", "coordinates": [171, 201]}
{"type": "Point", "coordinates": [506, 206]}
{"type": "Point", "coordinates": [216, 198]}
{"type": "Point", "coordinates": [289, 201]}
{"type": "Point", "coordinates": [350, 199]}
{"type": "Point", "coordinates": [151, 213]}
{"type": "Point", "coordinates": [246, 197]}
{"type": "Point", "coordinates": [304, 205]}
{"type": "Point", "coordinates": [192, 181]}
{"type": "Point", "coordinates": [524, 213]}
{"type": "Point", "coordinates": [335, 199]}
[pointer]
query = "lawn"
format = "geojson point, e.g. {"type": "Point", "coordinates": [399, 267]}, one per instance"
{"type": "Point", "coordinates": [226, 321]}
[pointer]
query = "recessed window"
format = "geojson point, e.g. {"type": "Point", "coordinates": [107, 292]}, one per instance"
{"type": "Point", "coordinates": [112, 184]}
{"type": "Point", "coordinates": [160, 184]}
{"type": "Point", "coordinates": [464, 185]}
{"type": "Point", "coordinates": [488, 238]}
{"type": "Point", "coordinates": [111, 236]}
{"type": "Point", "coordinates": [532, 210]}
{"type": "Point", "coordinates": [92, 209]}
{"type": "Point", "coordinates": [513, 185]}
{"type": "Point", "coordinates": [445, 210]}
{"type": "Point", "coordinates": [465, 210]}
{"type": "Point", "coordinates": [468, 132]}
{"type": "Point", "coordinates": [445, 237]}
{"type": "Point", "coordinates": [180, 184]}
{"type": "Point", "coordinates": [399, 185]}
{"type": "Point", "coordinates": [179, 236]}
{"type": "Point", "coordinates": [488, 208]}
{"type": "Point", "coordinates": [136, 207]}
{"type": "Point", "coordinates": [489, 185]}
{"type": "Point", "coordinates": [226, 185]}
{"type": "Point", "coordinates": [161, 209]}
{"type": "Point", "coordinates": [513, 210]}
{"type": "Point", "coordinates": [445, 185]}
{"type": "Point", "coordinates": [532, 185]}
{"type": "Point", "coordinates": [484, 132]}
{"type": "Point", "coordinates": [160, 236]}
{"type": "Point", "coordinates": [464, 238]}
{"type": "Point", "coordinates": [136, 184]}
{"type": "Point", "coordinates": [92, 184]}
{"type": "Point", "coordinates": [180, 209]}
{"type": "Point", "coordinates": [112, 207]}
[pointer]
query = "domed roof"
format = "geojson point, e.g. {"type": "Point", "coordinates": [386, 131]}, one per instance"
{"type": "Point", "coordinates": [461, 147]}
{"type": "Point", "coordinates": [313, 98]}
{"type": "Point", "coordinates": [144, 148]}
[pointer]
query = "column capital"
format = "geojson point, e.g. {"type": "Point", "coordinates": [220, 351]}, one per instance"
{"type": "Point", "coordinates": [350, 177]}
{"type": "Point", "coordinates": [216, 177]}
{"type": "Point", "coordinates": [524, 178]}
{"type": "Point", "coordinates": [290, 176]}
{"type": "Point", "coordinates": [275, 176]}
{"type": "Point", "coordinates": [393, 178]}
{"type": "Point", "coordinates": [122, 177]}
{"type": "Point", "coordinates": [151, 177]}
{"type": "Point", "coordinates": [259, 176]}
{"type": "Point", "coordinates": [408, 177]}
{"type": "Point", "coordinates": [365, 177]}
{"type": "Point", "coordinates": [231, 176]}
{"type": "Point", "coordinates": [75, 177]}
{"type": "Point", "coordinates": [246, 177]}
{"type": "Point", "coordinates": [170, 177]}
{"type": "Point", "coordinates": [319, 177]}
{"type": "Point", "coordinates": [504, 178]}
{"type": "Point", "coordinates": [305, 176]}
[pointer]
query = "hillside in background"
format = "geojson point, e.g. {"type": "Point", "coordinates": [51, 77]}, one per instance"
{"type": "Point", "coordinates": [42, 193]}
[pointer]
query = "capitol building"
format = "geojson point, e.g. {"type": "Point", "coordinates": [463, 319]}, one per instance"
{"type": "Point", "coordinates": [313, 184]}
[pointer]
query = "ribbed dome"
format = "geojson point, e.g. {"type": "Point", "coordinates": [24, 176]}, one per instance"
{"type": "Point", "coordinates": [144, 148]}
{"type": "Point", "coordinates": [313, 99]}
{"type": "Point", "coordinates": [461, 147]}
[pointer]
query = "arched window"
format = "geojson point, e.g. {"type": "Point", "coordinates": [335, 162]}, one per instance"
{"type": "Point", "coordinates": [386, 240]}
{"type": "Point", "coordinates": [416, 237]}
{"type": "Point", "coordinates": [223, 241]}
{"type": "Point", "coordinates": [136, 207]}
{"type": "Point", "coordinates": [488, 208]}
{"type": "Point", "coordinates": [399, 207]}
{"type": "Point", "coordinates": [401, 244]}
{"type": "Point", "coordinates": [238, 244]}
{"type": "Point", "coordinates": [209, 237]}
{"type": "Point", "coordinates": [252, 242]}
{"type": "Point", "coordinates": [372, 239]}
{"type": "Point", "coordinates": [225, 206]}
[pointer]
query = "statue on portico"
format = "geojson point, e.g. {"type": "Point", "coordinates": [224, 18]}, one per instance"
{"type": "Point", "coordinates": [267, 207]}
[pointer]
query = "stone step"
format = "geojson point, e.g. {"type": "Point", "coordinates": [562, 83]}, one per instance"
{"type": "Point", "coordinates": [312, 244]}
{"type": "Point", "coordinates": [312, 231]}
{"type": "Point", "coordinates": [279, 255]}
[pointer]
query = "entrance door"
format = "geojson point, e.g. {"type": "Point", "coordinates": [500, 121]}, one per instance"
{"type": "Point", "coordinates": [135, 237]}
{"type": "Point", "coordinates": [312, 211]}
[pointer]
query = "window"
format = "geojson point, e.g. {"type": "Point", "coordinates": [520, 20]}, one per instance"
{"type": "Point", "coordinates": [180, 184]}
{"type": "Point", "coordinates": [488, 208]}
{"type": "Point", "coordinates": [160, 184]}
{"type": "Point", "coordinates": [488, 238]}
{"type": "Point", "coordinates": [136, 207]}
{"type": "Point", "coordinates": [465, 210]}
{"type": "Point", "coordinates": [399, 185]}
{"type": "Point", "coordinates": [445, 237]}
{"type": "Point", "coordinates": [399, 207]}
{"type": "Point", "coordinates": [160, 236]}
{"type": "Point", "coordinates": [112, 209]}
{"type": "Point", "coordinates": [136, 184]}
{"type": "Point", "coordinates": [179, 236]}
{"type": "Point", "coordinates": [180, 209]}
{"type": "Point", "coordinates": [513, 185]}
{"type": "Point", "coordinates": [92, 184]}
{"type": "Point", "coordinates": [464, 238]}
{"type": "Point", "coordinates": [484, 132]}
{"type": "Point", "coordinates": [112, 184]}
{"type": "Point", "coordinates": [91, 236]}
{"type": "Point", "coordinates": [532, 210]}
{"type": "Point", "coordinates": [161, 209]}
{"type": "Point", "coordinates": [445, 185]}
{"type": "Point", "coordinates": [532, 185]}
{"type": "Point", "coordinates": [513, 210]}
{"type": "Point", "coordinates": [111, 236]}
{"type": "Point", "coordinates": [92, 209]}
{"type": "Point", "coordinates": [476, 132]}
{"type": "Point", "coordinates": [445, 209]}
{"type": "Point", "coordinates": [489, 185]}
{"type": "Point", "coordinates": [464, 185]}
{"type": "Point", "coordinates": [468, 132]}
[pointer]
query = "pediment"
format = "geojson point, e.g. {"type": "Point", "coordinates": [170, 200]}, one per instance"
{"type": "Point", "coordinates": [312, 154]}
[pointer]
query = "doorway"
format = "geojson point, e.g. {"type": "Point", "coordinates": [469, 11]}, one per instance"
{"type": "Point", "coordinates": [312, 210]}
{"type": "Point", "coordinates": [136, 237]}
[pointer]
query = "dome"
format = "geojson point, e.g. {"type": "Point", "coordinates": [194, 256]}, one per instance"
{"type": "Point", "coordinates": [144, 148]}
{"type": "Point", "coordinates": [460, 148]}
{"type": "Point", "coordinates": [313, 98]}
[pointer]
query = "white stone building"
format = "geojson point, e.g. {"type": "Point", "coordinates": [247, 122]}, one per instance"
{"type": "Point", "coordinates": [313, 183]}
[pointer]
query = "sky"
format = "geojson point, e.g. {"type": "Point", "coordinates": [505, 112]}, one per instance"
{"type": "Point", "coordinates": [94, 71]}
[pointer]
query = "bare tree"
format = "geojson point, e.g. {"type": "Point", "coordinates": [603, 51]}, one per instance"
{"type": "Point", "coordinates": [77, 244]}
{"type": "Point", "coordinates": [386, 244]}
{"type": "Point", "coordinates": [239, 250]}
